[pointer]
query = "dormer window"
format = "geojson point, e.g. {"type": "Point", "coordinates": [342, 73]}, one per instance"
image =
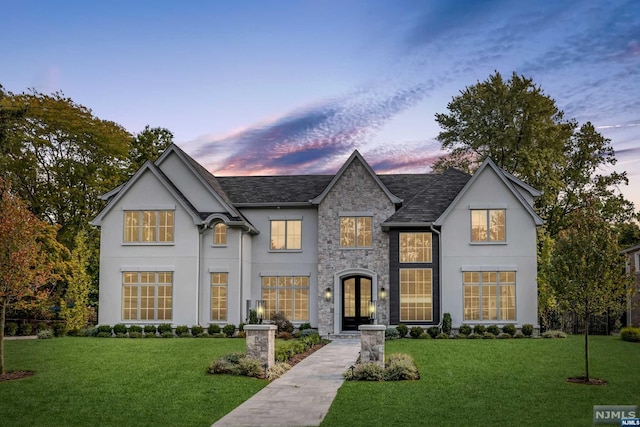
{"type": "Point", "coordinates": [220, 234]}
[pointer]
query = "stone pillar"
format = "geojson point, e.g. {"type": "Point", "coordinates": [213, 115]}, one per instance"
{"type": "Point", "coordinates": [261, 343]}
{"type": "Point", "coordinates": [372, 343]}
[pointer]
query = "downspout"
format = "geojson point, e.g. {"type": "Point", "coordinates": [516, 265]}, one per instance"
{"type": "Point", "coordinates": [240, 259]}
{"type": "Point", "coordinates": [198, 273]}
{"type": "Point", "coordinates": [439, 271]}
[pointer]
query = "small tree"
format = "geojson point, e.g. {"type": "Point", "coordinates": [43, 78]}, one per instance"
{"type": "Point", "coordinates": [23, 267]}
{"type": "Point", "coordinates": [73, 307]}
{"type": "Point", "coordinates": [588, 269]}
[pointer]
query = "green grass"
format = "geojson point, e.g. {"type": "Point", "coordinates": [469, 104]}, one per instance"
{"type": "Point", "coordinates": [120, 382]}
{"type": "Point", "coordinates": [494, 383]}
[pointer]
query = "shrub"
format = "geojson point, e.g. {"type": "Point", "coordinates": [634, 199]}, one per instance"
{"type": "Point", "coordinates": [182, 331]}
{"type": "Point", "coordinates": [253, 317]}
{"type": "Point", "coordinates": [310, 337]}
{"type": "Point", "coordinates": [167, 335]}
{"type": "Point", "coordinates": [493, 329]}
{"type": "Point", "coordinates": [223, 366]}
{"type": "Point", "coordinates": [277, 370]}
{"type": "Point", "coordinates": [135, 334]}
{"type": "Point", "coordinates": [365, 372]}
{"type": "Point", "coordinates": [251, 367]}
{"type": "Point", "coordinates": [474, 336]}
{"type": "Point", "coordinates": [203, 334]}
{"type": "Point", "coordinates": [59, 329]}
{"type": "Point", "coordinates": [442, 336]}
{"type": "Point", "coordinates": [282, 323]}
{"type": "Point", "coordinates": [196, 330]}
{"type": "Point", "coordinates": [464, 329]}
{"type": "Point", "coordinates": [11, 329]}
{"type": "Point", "coordinates": [88, 332]}
{"type": "Point", "coordinates": [503, 335]}
{"type": "Point", "coordinates": [229, 330]}
{"type": "Point", "coordinates": [433, 331]}
{"type": "Point", "coordinates": [218, 335]}
{"type": "Point", "coordinates": [527, 329]}
{"type": "Point", "coordinates": [103, 335]}
{"type": "Point", "coordinates": [284, 336]}
{"type": "Point", "coordinates": [446, 323]}
{"type": "Point", "coordinates": [41, 326]}
{"type": "Point", "coordinates": [416, 331]}
{"type": "Point", "coordinates": [121, 335]}
{"type": "Point", "coordinates": [488, 336]}
{"type": "Point", "coordinates": [424, 336]}
{"type": "Point", "coordinates": [135, 328]}
{"type": "Point", "coordinates": [391, 334]}
{"type": "Point", "coordinates": [630, 334]}
{"type": "Point", "coordinates": [400, 367]}
{"type": "Point", "coordinates": [25, 329]}
{"type": "Point", "coordinates": [510, 329]}
{"type": "Point", "coordinates": [309, 332]}
{"type": "Point", "coordinates": [45, 334]}
{"type": "Point", "coordinates": [150, 329]}
{"type": "Point", "coordinates": [213, 329]}
{"type": "Point", "coordinates": [241, 327]}
{"type": "Point", "coordinates": [479, 329]}
{"type": "Point", "coordinates": [104, 328]}
{"type": "Point", "coordinates": [304, 326]}
{"type": "Point", "coordinates": [519, 335]}
{"type": "Point", "coordinates": [554, 334]}
{"type": "Point", "coordinates": [403, 329]}
{"type": "Point", "coordinates": [460, 336]}
{"type": "Point", "coordinates": [119, 329]}
{"type": "Point", "coordinates": [164, 328]}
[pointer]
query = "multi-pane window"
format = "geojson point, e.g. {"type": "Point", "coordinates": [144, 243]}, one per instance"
{"type": "Point", "coordinates": [415, 247]}
{"type": "Point", "coordinates": [219, 296]}
{"type": "Point", "coordinates": [416, 295]}
{"type": "Point", "coordinates": [147, 295]}
{"type": "Point", "coordinates": [287, 295]}
{"type": "Point", "coordinates": [148, 226]}
{"type": "Point", "coordinates": [488, 225]}
{"type": "Point", "coordinates": [489, 295]}
{"type": "Point", "coordinates": [286, 234]}
{"type": "Point", "coordinates": [355, 231]}
{"type": "Point", "coordinates": [220, 234]}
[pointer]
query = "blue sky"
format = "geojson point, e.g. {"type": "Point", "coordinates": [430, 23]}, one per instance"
{"type": "Point", "coordinates": [287, 87]}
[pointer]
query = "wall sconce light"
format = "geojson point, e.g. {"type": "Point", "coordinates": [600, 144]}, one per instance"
{"type": "Point", "coordinates": [383, 293]}
{"type": "Point", "coordinates": [260, 310]}
{"type": "Point", "coordinates": [327, 294]}
{"type": "Point", "coordinates": [372, 309]}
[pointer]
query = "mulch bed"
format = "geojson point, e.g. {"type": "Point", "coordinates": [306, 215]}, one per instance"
{"type": "Point", "coordinates": [15, 375]}
{"type": "Point", "coordinates": [583, 380]}
{"type": "Point", "coordinates": [301, 356]}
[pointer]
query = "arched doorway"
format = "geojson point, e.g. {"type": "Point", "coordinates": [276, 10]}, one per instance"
{"type": "Point", "coordinates": [356, 296]}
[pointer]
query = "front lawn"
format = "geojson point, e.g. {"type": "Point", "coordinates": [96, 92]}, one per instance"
{"type": "Point", "coordinates": [120, 382]}
{"type": "Point", "coordinates": [494, 383]}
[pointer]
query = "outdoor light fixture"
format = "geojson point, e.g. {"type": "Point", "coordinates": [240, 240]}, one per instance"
{"type": "Point", "coordinates": [260, 310]}
{"type": "Point", "coordinates": [383, 293]}
{"type": "Point", "coordinates": [372, 309]}
{"type": "Point", "coordinates": [327, 294]}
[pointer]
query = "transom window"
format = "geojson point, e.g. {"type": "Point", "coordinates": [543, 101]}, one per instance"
{"type": "Point", "coordinates": [415, 247]}
{"type": "Point", "coordinates": [220, 234]}
{"type": "Point", "coordinates": [488, 225]}
{"type": "Point", "coordinates": [288, 295]}
{"type": "Point", "coordinates": [416, 295]}
{"type": "Point", "coordinates": [355, 231]}
{"type": "Point", "coordinates": [147, 295]}
{"type": "Point", "coordinates": [219, 296]}
{"type": "Point", "coordinates": [489, 295]}
{"type": "Point", "coordinates": [148, 226]}
{"type": "Point", "coordinates": [286, 234]}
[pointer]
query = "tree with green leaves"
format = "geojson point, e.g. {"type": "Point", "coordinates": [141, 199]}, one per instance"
{"type": "Point", "coordinates": [24, 270]}
{"type": "Point", "coordinates": [74, 306]}
{"type": "Point", "coordinates": [521, 129]}
{"type": "Point", "coordinates": [587, 269]}
{"type": "Point", "coordinates": [148, 144]}
{"type": "Point", "coordinates": [629, 234]}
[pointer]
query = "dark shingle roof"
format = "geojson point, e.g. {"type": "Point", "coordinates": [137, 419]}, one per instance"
{"type": "Point", "coordinates": [273, 190]}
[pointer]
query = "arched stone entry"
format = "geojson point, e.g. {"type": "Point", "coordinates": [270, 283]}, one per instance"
{"type": "Point", "coordinates": [353, 289]}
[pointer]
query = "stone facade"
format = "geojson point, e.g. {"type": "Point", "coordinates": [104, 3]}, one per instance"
{"type": "Point", "coordinates": [261, 343]}
{"type": "Point", "coordinates": [372, 344]}
{"type": "Point", "coordinates": [355, 192]}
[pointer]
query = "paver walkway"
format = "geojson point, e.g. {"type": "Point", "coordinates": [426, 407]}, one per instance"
{"type": "Point", "coordinates": [302, 396]}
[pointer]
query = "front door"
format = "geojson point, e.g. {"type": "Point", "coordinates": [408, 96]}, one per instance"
{"type": "Point", "coordinates": [356, 295]}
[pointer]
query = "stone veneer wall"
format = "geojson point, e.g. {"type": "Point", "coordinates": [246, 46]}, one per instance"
{"type": "Point", "coordinates": [372, 344]}
{"type": "Point", "coordinates": [355, 191]}
{"type": "Point", "coordinates": [261, 343]}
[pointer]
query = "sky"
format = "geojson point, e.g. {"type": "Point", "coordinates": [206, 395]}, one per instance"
{"type": "Point", "coordinates": [293, 87]}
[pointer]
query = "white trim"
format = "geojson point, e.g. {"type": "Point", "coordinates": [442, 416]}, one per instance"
{"type": "Point", "coordinates": [474, 268]}
{"type": "Point", "coordinates": [489, 206]}
{"type": "Point", "coordinates": [283, 274]}
{"type": "Point", "coordinates": [149, 268]}
{"type": "Point", "coordinates": [149, 207]}
{"type": "Point", "coordinates": [218, 270]}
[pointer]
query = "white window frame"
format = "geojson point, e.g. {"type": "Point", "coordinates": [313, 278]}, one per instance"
{"type": "Point", "coordinates": [226, 232]}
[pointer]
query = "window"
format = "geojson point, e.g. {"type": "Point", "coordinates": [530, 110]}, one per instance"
{"type": "Point", "coordinates": [355, 231]}
{"type": "Point", "coordinates": [219, 234]}
{"type": "Point", "coordinates": [218, 296]}
{"type": "Point", "coordinates": [288, 295]}
{"type": "Point", "coordinates": [489, 295]}
{"type": "Point", "coordinates": [488, 225]}
{"type": "Point", "coordinates": [415, 247]}
{"type": "Point", "coordinates": [147, 295]}
{"type": "Point", "coordinates": [415, 295]}
{"type": "Point", "coordinates": [286, 234]}
{"type": "Point", "coordinates": [148, 226]}
{"type": "Point", "coordinates": [637, 257]}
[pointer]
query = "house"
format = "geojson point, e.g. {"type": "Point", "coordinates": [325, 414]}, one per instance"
{"type": "Point", "coordinates": [633, 267]}
{"type": "Point", "coordinates": [181, 246]}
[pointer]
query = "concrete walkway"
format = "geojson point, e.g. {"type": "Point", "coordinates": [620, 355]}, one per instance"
{"type": "Point", "coordinates": [302, 396]}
